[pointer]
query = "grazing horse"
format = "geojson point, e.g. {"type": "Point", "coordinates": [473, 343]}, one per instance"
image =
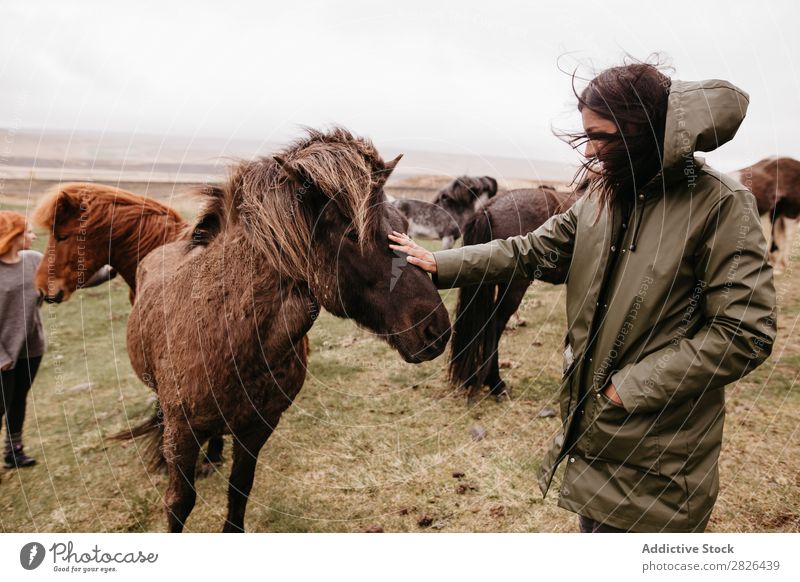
{"type": "Point", "coordinates": [426, 220]}
{"type": "Point", "coordinates": [218, 325]}
{"type": "Point", "coordinates": [775, 182]}
{"type": "Point", "coordinates": [453, 206]}
{"type": "Point", "coordinates": [484, 310]}
{"type": "Point", "coordinates": [92, 225]}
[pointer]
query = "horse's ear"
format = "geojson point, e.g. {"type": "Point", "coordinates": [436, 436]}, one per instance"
{"type": "Point", "coordinates": [66, 205]}
{"type": "Point", "coordinates": [381, 176]}
{"type": "Point", "coordinates": [390, 166]}
{"type": "Point", "coordinates": [491, 185]}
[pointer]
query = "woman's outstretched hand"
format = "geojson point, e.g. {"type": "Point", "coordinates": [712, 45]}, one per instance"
{"type": "Point", "coordinates": [416, 254]}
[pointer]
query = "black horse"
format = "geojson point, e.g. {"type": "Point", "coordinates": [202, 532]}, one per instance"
{"type": "Point", "coordinates": [484, 310]}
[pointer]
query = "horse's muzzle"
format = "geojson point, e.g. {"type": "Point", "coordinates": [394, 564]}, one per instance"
{"type": "Point", "coordinates": [57, 298]}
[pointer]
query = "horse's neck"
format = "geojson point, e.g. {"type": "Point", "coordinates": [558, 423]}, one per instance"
{"type": "Point", "coordinates": [127, 249]}
{"type": "Point", "coordinates": [282, 309]}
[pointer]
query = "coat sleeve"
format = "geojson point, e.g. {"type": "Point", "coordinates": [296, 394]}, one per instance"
{"type": "Point", "coordinates": [738, 309]}
{"type": "Point", "coordinates": [543, 254]}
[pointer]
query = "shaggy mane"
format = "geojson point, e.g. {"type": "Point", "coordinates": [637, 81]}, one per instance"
{"type": "Point", "coordinates": [98, 199]}
{"type": "Point", "coordinates": [146, 222]}
{"type": "Point", "coordinates": [269, 197]}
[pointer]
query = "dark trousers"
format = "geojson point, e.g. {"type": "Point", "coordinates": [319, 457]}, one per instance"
{"type": "Point", "coordinates": [591, 526]}
{"type": "Point", "coordinates": [14, 385]}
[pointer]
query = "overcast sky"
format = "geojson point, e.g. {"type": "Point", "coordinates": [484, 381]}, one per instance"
{"type": "Point", "coordinates": [468, 77]}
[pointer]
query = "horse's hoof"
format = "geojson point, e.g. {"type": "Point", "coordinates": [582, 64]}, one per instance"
{"type": "Point", "coordinates": [206, 469]}
{"type": "Point", "coordinates": [504, 395]}
{"type": "Point", "coordinates": [474, 398]}
{"type": "Point", "coordinates": [232, 528]}
{"type": "Point", "coordinates": [501, 392]}
{"type": "Point", "coordinates": [501, 397]}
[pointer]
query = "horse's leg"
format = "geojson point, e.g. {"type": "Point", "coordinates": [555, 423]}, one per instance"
{"type": "Point", "coordinates": [213, 457]}
{"type": "Point", "coordinates": [447, 242]}
{"type": "Point", "coordinates": [181, 448]}
{"type": "Point", "coordinates": [245, 456]}
{"type": "Point", "coordinates": [788, 229]}
{"type": "Point", "coordinates": [509, 298]}
{"type": "Point", "coordinates": [778, 245]}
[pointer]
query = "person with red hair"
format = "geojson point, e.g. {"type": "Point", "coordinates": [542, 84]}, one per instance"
{"type": "Point", "coordinates": [22, 341]}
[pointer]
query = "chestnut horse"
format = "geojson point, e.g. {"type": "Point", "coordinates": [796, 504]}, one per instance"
{"type": "Point", "coordinates": [219, 322]}
{"type": "Point", "coordinates": [484, 310]}
{"type": "Point", "coordinates": [92, 225]}
{"type": "Point", "coordinates": [775, 182]}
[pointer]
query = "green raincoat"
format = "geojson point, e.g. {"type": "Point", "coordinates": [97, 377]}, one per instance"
{"type": "Point", "coordinates": [670, 308]}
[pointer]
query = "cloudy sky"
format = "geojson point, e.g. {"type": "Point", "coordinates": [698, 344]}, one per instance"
{"type": "Point", "coordinates": [483, 78]}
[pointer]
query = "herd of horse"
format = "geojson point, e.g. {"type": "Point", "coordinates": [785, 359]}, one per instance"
{"type": "Point", "coordinates": [221, 307]}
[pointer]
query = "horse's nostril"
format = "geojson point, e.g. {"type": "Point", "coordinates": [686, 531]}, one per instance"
{"type": "Point", "coordinates": [59, 296]}
{"type": "Point", "coordinates": [433, 334]}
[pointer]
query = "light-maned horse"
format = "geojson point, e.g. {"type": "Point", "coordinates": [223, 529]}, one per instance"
{"type": "Point", "coordinates": [91, 225]}
{"type": "Point", "coordinates": [445, 216]}
{"type": "Point", "coordinates": [775, 182]}
{"type": "Point", "coordinates": [484, 310]}
{"type": "Point", "coordinates": [218, 325]}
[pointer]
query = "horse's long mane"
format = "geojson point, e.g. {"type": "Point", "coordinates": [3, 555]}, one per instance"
{"type": "Point", "coordinates": [102, 207]}
{"type": "Point", "coordinates": [271, 198]}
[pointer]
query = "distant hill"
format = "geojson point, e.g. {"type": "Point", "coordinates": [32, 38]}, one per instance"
{"type": "Point", "coordinates": [115, 157]}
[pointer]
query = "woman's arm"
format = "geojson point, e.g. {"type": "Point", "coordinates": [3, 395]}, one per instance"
{"type": "Point", "coordinates": [543, 254]}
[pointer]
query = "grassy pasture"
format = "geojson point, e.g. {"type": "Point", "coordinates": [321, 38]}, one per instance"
{"type": "Point", "coordinates": [371, 442]}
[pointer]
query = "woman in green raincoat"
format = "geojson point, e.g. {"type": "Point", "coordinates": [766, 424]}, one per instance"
{"type": "Point", "coordinates": [669, 299]}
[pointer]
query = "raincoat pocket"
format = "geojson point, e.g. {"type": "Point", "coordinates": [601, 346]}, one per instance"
{"type": "Point", "coordinates": [622, 437]}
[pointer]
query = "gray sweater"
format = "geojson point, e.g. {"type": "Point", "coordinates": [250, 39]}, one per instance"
{"type": "Point", "coordinates": [21, 333]}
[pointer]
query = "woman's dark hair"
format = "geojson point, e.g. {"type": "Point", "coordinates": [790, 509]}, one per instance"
{"type": "Point", "coordinates": [634, 97]}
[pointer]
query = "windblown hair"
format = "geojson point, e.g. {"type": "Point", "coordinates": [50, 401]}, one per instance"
{"type": "Point", "coordinates": [12, 224]}
{"type": "Point", "coordinates": [273, 198]}
{"type": "Point", "coordinates": [106, 208]}
{"type": "Point", "coordinates": [634, 97]}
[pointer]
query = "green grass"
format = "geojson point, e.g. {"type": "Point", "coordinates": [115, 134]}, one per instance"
{"type": "Point", "coordinates": [370, 441]}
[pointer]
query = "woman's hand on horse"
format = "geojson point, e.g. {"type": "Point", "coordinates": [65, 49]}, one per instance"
{"type": "Point", "coordinates": [417, 255]}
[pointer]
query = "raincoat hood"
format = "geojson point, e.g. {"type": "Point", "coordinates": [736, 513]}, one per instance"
{"type": "Point", "coordinates": [701, 116]}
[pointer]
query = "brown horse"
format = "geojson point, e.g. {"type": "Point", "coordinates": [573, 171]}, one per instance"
{"type": "Point", "coordinates": [775, 182]}
{"type": "Point", "coordinates": [484, 310]}
{"type": "Point", "coordinates": [218, 325]}
{"type": "Point", "coordinates": [92, 225]}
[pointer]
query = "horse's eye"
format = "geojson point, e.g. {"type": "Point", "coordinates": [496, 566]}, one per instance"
{"type": "Point", "coordinates": [352, 234]}
{"type": "Point", "coordinates": [61, 237]}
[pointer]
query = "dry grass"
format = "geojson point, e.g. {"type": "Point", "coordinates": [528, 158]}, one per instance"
{"type": "Point", "coordinates": [371, 442]}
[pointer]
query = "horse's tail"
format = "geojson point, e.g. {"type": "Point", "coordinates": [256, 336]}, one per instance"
{"type": "Point", "coordinates": [474, 339]}
{"type": "Point", "coordinates": [152, 432]}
